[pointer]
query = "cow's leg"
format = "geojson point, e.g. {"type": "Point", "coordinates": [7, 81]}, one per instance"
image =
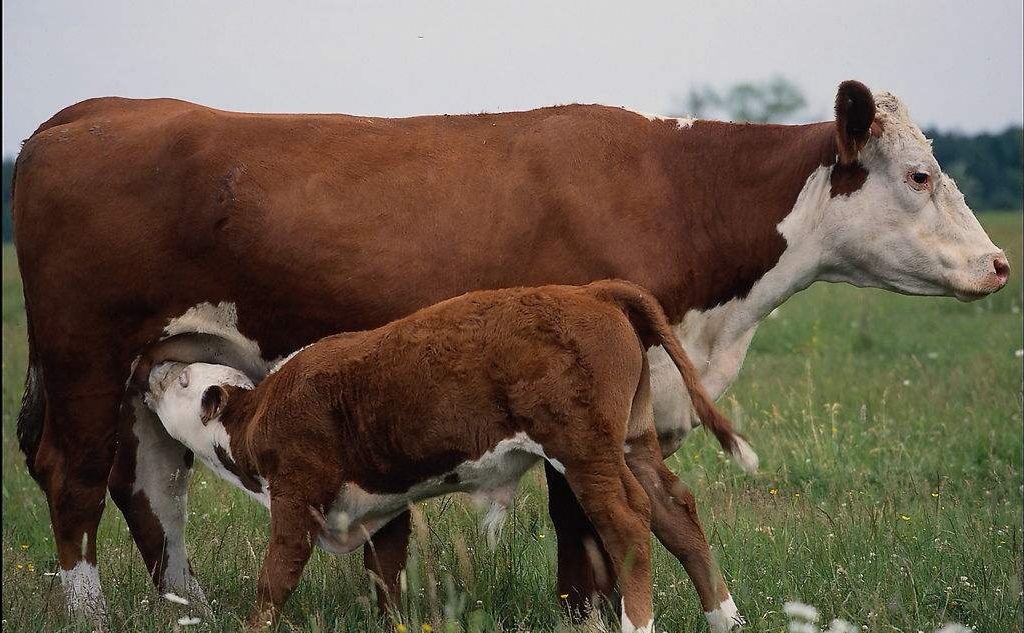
{"type": "Point", "coordinates": [619, 508]}
{"type": "Point", "coordinates": [384, 555]}
{"type": "Point", "coordinates": [71, 463]}
{"type": "Point", "coordinates": [149, 483]}
{"type": "Point", "coordinates": [294, 530]}
{"type": "Point", "coordinates": [675, 522]}
{"type": "Point", "coordinates": [585, 572]}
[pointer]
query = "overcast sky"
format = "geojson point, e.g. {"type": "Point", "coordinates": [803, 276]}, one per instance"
{"type": "Point", "coordinates": [956, 64]}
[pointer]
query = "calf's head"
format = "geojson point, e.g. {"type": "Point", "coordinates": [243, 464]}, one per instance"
{"type": "Point", "coordinates": [892, 218]}
{"type": "Point", "coordinates": [188, 398]}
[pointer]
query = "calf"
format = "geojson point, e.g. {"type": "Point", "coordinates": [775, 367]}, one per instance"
{"type": "Point", "coordinates": [465, 395]}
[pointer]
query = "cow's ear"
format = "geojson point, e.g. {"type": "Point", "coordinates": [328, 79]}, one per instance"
{"type": "Point", "coordinates": [214, 400]}
{"type": "Point", "coordinates": [855, 112]}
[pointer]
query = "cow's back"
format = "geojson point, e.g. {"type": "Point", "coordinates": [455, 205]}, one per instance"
{"type": "Point", "coordinates": [321, 222]}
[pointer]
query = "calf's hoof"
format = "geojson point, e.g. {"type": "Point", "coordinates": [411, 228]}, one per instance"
{"type": "Point", "coordinates": [726, 617]}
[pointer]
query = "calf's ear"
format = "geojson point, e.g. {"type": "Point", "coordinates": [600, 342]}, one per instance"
{"type": "Point", "coordinates": [214, 400]}
{"type": "Point", "coordinates": [855, 112]}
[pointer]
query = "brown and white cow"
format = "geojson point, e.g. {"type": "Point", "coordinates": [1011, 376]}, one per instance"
{"type": "Point", "coordinates": [258, 234]}
{"type": "Point", "coordinates": [462, 396]}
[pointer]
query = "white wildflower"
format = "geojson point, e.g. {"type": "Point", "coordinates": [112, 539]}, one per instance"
{"type": "Point", "coordinates": [800, 610]}
{"type": "Point", "coordinates": [954, 628]}
{"type": "Point", "coordinates": [188, 621]}
{"type": "Point", "coordinates": [841, 626]}
{"type": "Point", "coordinates": [1019, 353]}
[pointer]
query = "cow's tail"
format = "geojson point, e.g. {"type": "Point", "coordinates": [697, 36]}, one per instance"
{"type": "Point", "coordinates": [33, 413]}
{"type": "Point", "coordinates": [648, 317]}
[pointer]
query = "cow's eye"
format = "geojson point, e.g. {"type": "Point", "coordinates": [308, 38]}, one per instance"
{"type": "Point", "coordinates": [919, 180]}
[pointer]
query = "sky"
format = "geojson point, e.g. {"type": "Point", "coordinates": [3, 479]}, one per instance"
{"type": "Point", "coordinates": [956, 65]}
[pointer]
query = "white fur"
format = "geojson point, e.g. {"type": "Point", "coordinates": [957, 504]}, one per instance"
{"type": "Point", "coordinates": [178, 407]}
{"type": "Point", "coordinates": [681, 122]}
{"type": "Point", "coordinates": [277, 364]}
{"type": "Point", "coordinates": [220, 320]}
{"type": "Point", "coordinates": [717, 340]}
{"type": "Point", "coordinates": [888, 235]}
{"type": "Point", "coordinates": [725, 618]}
{"type": "Point", "coordinates": [175, 395]}
{"type": "Point", "coordinates": [745, 456]}
{"type": "Point", "coordinates": [629, 627]}
{"type": "Point", "coordinates": [492, 478]}
{"type": "Point", "coordinates": [885, 235]}
{"type": "Point", "coordinates": [161, 474]}
{"type": "Point", "coordinates": [82, 592]}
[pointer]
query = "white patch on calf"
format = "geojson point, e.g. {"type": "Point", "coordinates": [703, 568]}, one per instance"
{"type": "Point", "coordinates": [725, 618]}
{"type": "Point", "coordinates": [629, 627]}
{"type": "Point", "coordinates": [277, 364]}
{"type": "Point", "coordinates": [357, 514]}
{"type": "Point", "coordinates": [178, 407]}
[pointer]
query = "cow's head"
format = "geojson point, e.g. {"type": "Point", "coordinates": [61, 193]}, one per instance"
{"type": "Point", "coordinates": [189, 397]}
{"type": "Point", "coordinates": [893, 219]}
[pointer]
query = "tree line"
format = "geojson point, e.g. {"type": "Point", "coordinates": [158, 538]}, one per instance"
{"type": "Point", "coordinates": [987, 167]}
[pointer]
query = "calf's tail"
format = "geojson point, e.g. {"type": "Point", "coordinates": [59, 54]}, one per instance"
{"type": "Point", "coordinates": [649, 319]}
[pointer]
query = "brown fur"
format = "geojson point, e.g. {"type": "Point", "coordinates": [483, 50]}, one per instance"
{"type": "Point", "coordinates": [393, 407]}
{"type": "Point", "coordinates": [313, 224]}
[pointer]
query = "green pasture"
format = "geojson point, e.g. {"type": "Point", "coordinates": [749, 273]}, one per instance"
{"type": "Point", "coordinates": [890, 493]}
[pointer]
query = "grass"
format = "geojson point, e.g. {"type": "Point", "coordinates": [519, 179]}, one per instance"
{"type": "Point", "coordinates": [890, 493]}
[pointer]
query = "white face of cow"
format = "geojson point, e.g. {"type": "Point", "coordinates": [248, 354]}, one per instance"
{"type": "Point", "coordinates": [188, 399]}
{"type": "Point", "coordinates": [907, 227]}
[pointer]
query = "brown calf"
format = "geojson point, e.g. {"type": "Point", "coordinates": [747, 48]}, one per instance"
{"type": "Point", "coordinates": [461, 396]}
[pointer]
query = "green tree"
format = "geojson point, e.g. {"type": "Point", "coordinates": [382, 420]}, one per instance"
{"type": "Point", "coordinates": [988, 168]}
{"type": "Point", "coordinates": [774, 100]}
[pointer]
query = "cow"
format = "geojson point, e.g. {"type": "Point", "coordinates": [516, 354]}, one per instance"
{"type": "Point", "coordinates": [462, 396]}
{"type": "Point", "coordinates": [251, 235]}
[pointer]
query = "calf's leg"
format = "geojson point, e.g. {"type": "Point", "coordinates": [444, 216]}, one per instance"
{"type": "Point", "coordinates": [675, 522]}
{"type": "Point", "coordinates": [384, 555]}
{"type": "Point", "coordinates": [585, 572]}
{"type": "Point", "coordinates": [294, 530]}
{"type": "Point", "coordinates": [149, 483]}
{"type": "Point", "coordinates": [616, 504]}
{"type": "Point", "coordinates": [674, 511]}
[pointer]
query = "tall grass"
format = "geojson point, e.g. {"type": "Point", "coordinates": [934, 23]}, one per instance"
{"type": "Point", "coordinates": [890, 494]}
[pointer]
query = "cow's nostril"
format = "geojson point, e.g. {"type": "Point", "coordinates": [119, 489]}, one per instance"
{"type": "Point", "coordinates": [1002, 268]}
